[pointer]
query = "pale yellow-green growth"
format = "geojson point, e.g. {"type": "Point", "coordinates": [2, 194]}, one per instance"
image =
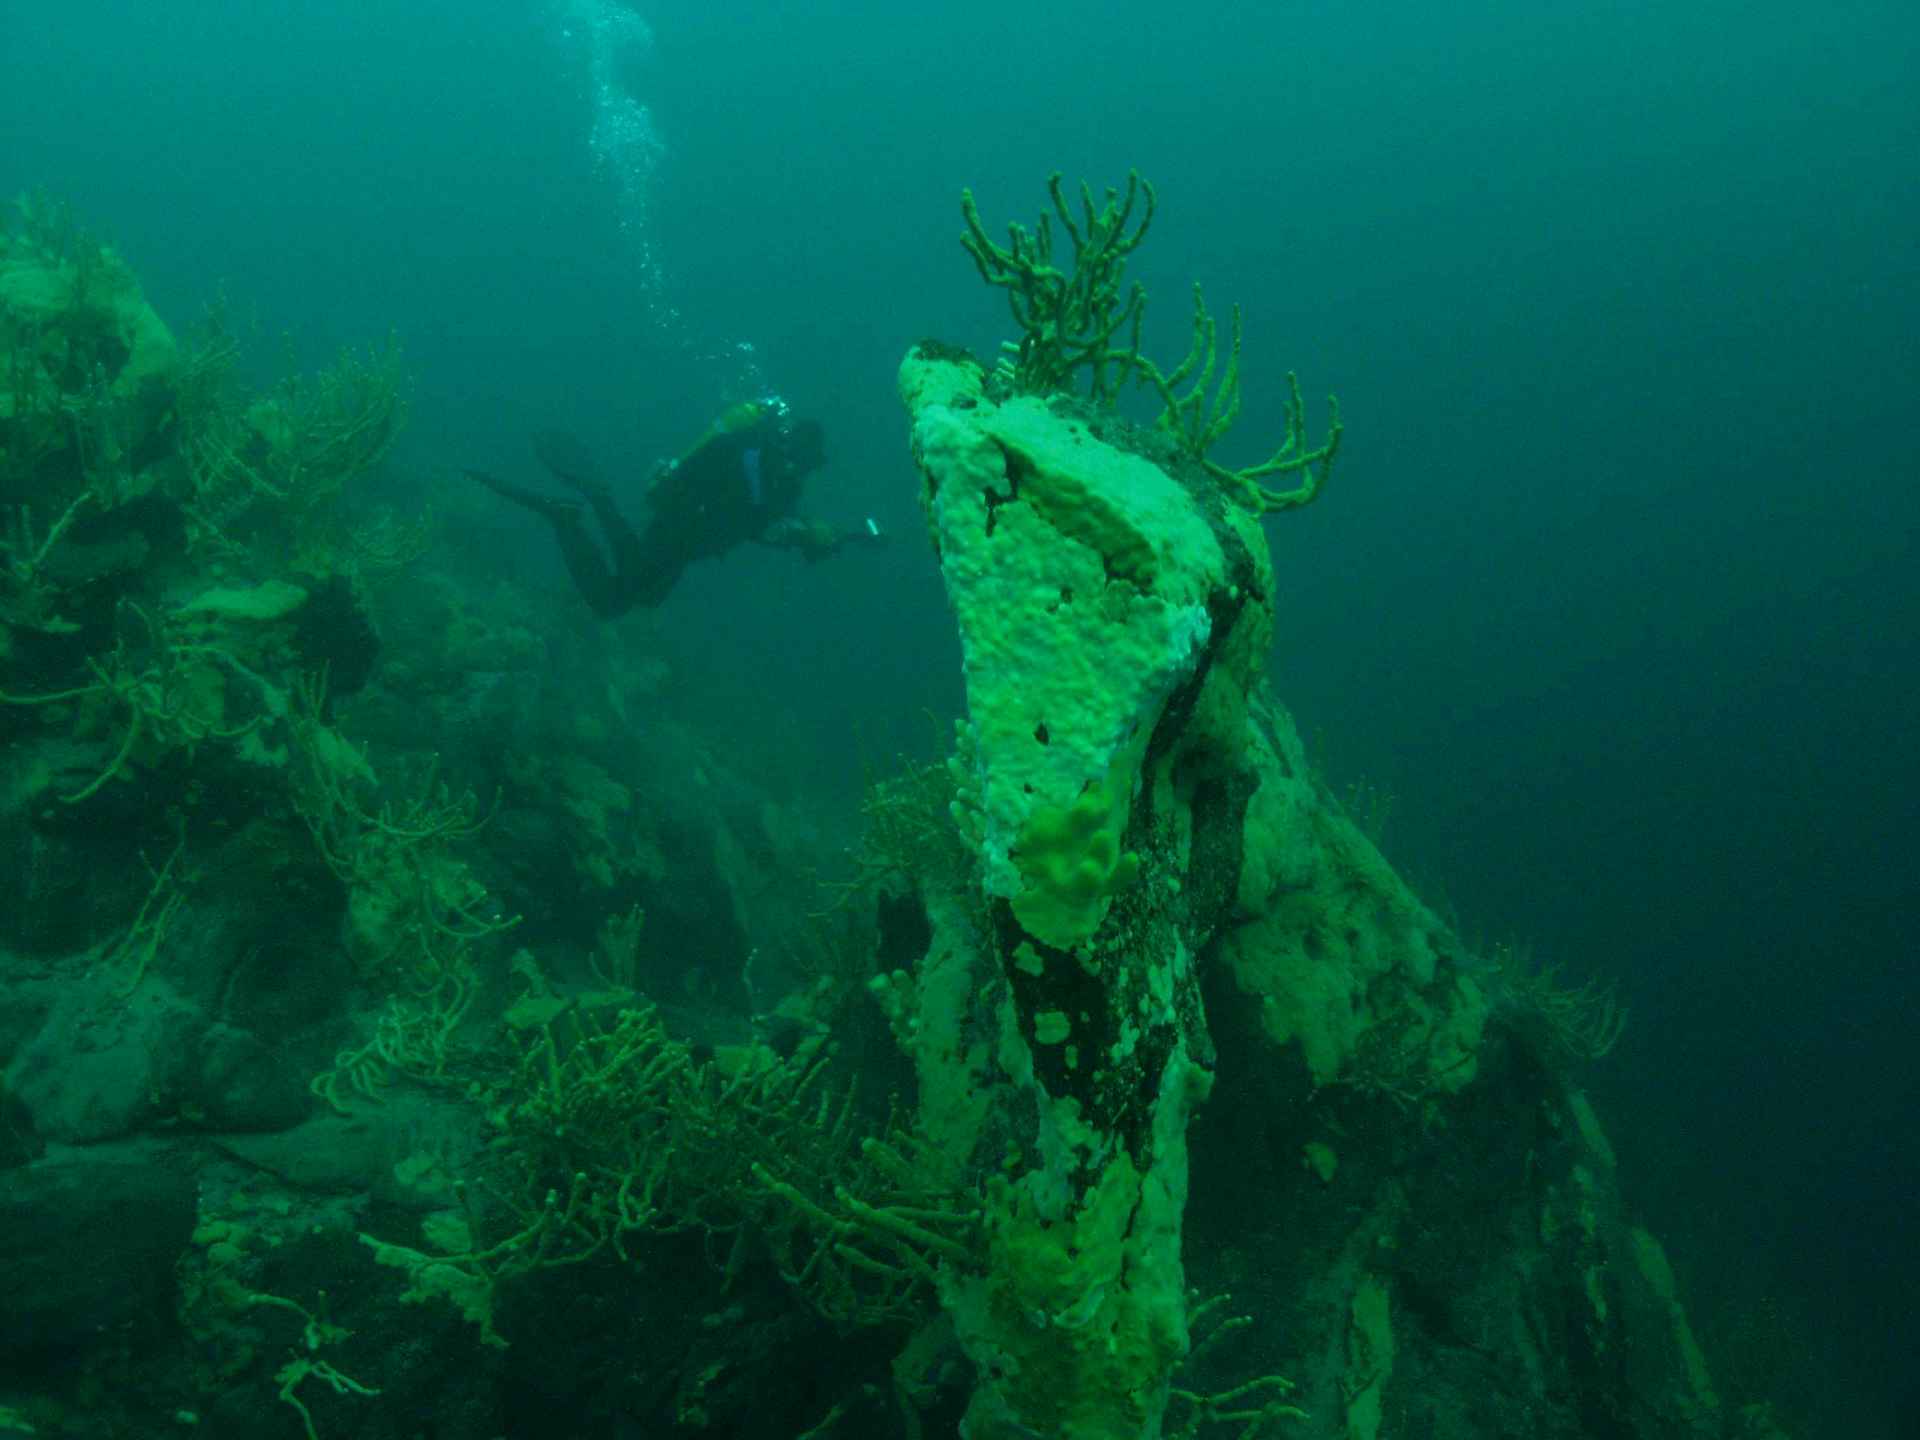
{"type": "Point", "coordinates": [1700, 1403]}
{"type": "Point", "coordinates": [1319, 1157]}
{"type": "Point", "coordinates": [1073, 866]}
{"type": "Point", "coordinates": [1369, 1357]}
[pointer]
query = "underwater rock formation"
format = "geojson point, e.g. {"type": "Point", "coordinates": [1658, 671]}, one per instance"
{"type": "Point", "coordinates": [1170, 918]}
{"type": "Point", "coordinates": [461, 1038]}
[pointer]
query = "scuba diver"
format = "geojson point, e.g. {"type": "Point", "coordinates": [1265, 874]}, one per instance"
{"type": "Point", "coordinates": [740, 481]}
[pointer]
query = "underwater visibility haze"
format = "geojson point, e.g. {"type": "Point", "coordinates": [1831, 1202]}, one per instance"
{"type": "Point", "coordinates": [865, 720]}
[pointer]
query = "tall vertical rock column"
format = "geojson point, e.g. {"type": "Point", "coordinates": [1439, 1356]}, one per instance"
{"type": "Point", "coordinates": [1113, 616]}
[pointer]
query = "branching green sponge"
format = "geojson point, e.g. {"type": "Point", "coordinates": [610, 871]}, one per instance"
{"type": "Point", "coordinates": [1073, 865]}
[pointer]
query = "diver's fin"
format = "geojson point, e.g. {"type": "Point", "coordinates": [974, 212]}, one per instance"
{"type": "Point", "coordinates": [551, 506]}
{"type": "Point", "coordinates": [568, 459]}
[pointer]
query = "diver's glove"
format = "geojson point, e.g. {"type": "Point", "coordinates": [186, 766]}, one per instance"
{"type": "Point", "coordinates": [816, 539]}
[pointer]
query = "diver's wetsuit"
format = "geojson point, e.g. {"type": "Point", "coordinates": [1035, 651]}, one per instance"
{"type": "Point", "coordinates": [739, 482]}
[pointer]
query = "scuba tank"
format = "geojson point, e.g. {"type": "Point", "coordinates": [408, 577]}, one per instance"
{"type": "Point", "coordinates": [735, 418]}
